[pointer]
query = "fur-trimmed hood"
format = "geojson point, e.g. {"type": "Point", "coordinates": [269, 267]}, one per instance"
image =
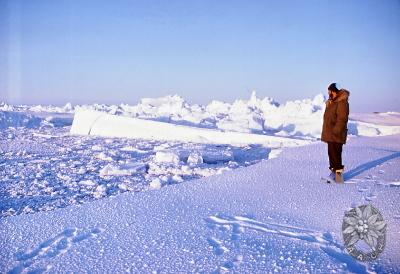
{"type": "Point", "coordinates": [342, 95]}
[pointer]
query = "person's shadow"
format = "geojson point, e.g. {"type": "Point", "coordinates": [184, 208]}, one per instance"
{"type": "Point", "coordinates": [364, 167]}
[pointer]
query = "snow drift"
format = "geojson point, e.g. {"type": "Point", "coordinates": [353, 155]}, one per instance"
{"type": "Point", "coordinates": [90, 122]}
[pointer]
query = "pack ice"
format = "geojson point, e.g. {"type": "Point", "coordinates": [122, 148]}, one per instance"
{"type": "Point", "coordinates": [166, 186]}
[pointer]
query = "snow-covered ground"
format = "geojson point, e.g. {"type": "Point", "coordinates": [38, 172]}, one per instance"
{"type": "Point", "coordinates": [49, 168]}
{"type": "Point", "coordinates": [272, 216]}
{"type": "Point", "coordinates": [164, 205]}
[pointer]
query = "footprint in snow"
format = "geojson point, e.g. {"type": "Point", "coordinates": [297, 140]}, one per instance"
{"type": "Point", "coordinates": [240, 224]}
{"type": "Point", "coordinates": [50, 248]}
{"type": "Point", "coordinates": [370, 197]}
{"type": "Point", "coordinates": [363, 189]}
{"type": "Point", "coordinates": [217, 246]}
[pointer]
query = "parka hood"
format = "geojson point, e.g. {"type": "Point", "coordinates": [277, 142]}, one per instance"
{"type": "Point", "coordinates": [343, 95]}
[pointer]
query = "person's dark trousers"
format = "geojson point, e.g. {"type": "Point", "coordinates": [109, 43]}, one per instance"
{"type": "Point", "coordinates": [335, 156]}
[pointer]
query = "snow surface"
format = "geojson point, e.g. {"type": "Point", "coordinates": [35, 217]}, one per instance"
{"type": "Point", "coordinates": [274, 216]}
{"type": "Point", "coordinates": [47, 168]}
{"type": "Point", "coordinates": [379, 118]}
{"type": "Point", "coordinates": [164, 200]}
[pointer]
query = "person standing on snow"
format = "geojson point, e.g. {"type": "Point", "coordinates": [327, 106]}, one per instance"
{"type": "Point", "coordinates": [334, 129]}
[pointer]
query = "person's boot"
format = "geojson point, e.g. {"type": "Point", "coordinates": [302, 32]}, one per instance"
{"type": "Point", "coordinates": [339, 176]}
{"type": "Point", "coordinates": [331, 177]}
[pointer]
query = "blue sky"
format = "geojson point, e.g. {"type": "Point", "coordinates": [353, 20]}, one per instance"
{"type": "Point", "coordinates": [53, 52]}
